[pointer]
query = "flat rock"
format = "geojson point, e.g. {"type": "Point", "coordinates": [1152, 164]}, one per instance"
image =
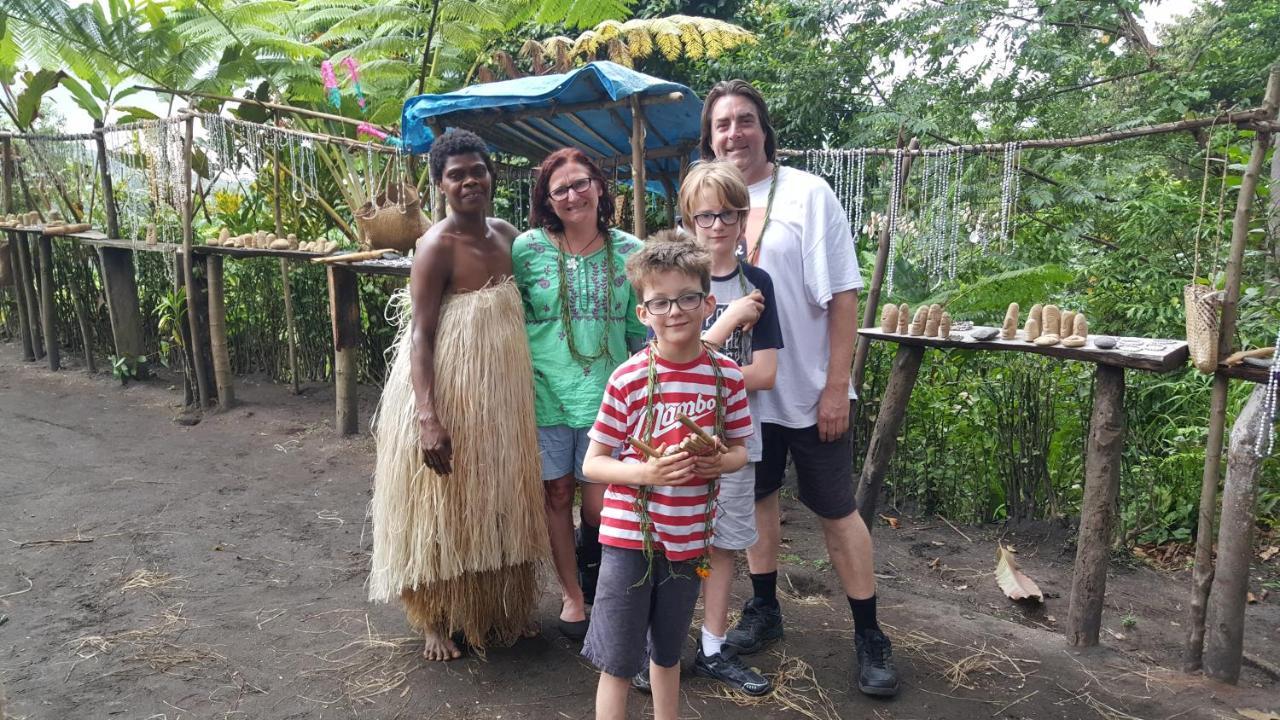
{"type": "Point", "coordinates": [984, 333]}
{"type": "Point", "coordinates": [1258, 362]}
{"type": "Point", "coordinates": [1105, 342]}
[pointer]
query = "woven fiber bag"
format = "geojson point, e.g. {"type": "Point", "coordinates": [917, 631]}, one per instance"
{"type": "Point", "coordinates": [390, 225]}
{"type": "Point", "coordinates": [1202, 304]}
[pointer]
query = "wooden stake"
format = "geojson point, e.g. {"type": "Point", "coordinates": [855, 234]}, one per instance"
{"type": "Point", "coordinates": [884, 437]}
{"type": "Point", "coordinates": [877, 280]}
{"type": "Point", "coordinates": [1224, 642]}
{"type": "Point", "coordinates": [1202, 574]}
{"type": "Point", "coordinates": [437, 197]}
{"type": "Point", "coordinates": [223, 378]}
{"type": "Point", "coordinates": [193, 294]}
{"type": "Point", "coordinates": [1097, 509]}
{"type": "Point", "coordinates": [637, 167]}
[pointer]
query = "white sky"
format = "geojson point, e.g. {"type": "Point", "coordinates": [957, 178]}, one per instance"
{"type": "Point", "coordinates": [1155, 15]}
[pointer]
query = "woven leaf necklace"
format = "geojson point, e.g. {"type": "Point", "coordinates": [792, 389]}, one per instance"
{"type": "Point", "coordinates": [566, 303]}
{"type": "Point", "coordinates": [754, 256]}
{"type": "Point", "coordinates": [641, 506]}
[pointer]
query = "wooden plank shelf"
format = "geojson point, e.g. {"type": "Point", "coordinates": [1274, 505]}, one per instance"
{"type": "Point", "coordinates": [1153, 355]}
{"type": "Point", "coordinates": [254, 252]}
{"type": "Point", "coordinates": [1246, 372]}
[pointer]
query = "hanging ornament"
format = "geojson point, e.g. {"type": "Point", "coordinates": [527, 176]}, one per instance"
{"type": "Point", "coordinates": [349, 63]}
{"type": "Point", "coordinates": [1010, 186]}
{"type": "Point", "coordinates": [330, 84]}
{"type": "Point", "coordinates": [895, 191]}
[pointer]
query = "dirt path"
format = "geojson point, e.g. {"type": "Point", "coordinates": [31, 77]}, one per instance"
{"type": "Point", "coordinates": [158, 571]}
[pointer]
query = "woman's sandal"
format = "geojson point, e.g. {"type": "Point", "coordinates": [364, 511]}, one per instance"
{"type": "Point", "coordinates": [575, 630]}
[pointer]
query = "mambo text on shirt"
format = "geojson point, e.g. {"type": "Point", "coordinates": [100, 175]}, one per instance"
{"type": "Point", "coordinates": [665, 413]}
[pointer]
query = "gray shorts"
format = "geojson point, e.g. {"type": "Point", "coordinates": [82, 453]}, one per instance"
{"type": "Point", "coordinates": [562, 449]}
{"type": "Point", "coordinates": [735, 522]}
{"type": "Point", "coordinates": [625, 615]}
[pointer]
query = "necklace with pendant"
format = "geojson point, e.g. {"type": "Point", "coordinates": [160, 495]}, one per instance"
{"type": "Point", "coordinates": [572, 259]}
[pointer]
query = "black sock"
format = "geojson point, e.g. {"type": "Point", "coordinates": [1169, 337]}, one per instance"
{"type": "Point", "coordinates": [589, 545]}
{"type": "Point", "coordinates": [864, 614]}
{"type": "Point", "coordinates": [765, 587]}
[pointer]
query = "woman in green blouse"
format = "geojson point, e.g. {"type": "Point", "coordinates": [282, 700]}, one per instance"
{"type": "Point", "coordinates": [579, 311]}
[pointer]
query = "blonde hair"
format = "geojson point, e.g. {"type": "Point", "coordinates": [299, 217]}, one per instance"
{"type": "Point", "coordinates": [669, 251]}
{"type": "Point", "coordinates": [723, 179]}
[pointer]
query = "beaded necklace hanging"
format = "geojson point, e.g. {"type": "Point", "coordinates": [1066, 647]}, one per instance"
{"type": "Point", "coordinates": [641, 506]}
{"type": "Point", "coordinates": [604, 300]}
{"type": "Point", "coordinates": [1266, 424]}
{"type": "Point", "coordinates": [754, 257]}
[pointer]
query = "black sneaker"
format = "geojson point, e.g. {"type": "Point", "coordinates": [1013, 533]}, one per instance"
{"type": "Point", "coordinates": [876, 674]}
{"type": "Point", "coordinates": [758, 628]}
{"type": "Point", "coordinates": [729, 669]}
{"type": "Point", "coordinates": [588, 568]}
{"type": "Point", "coordinates": [640, 681]}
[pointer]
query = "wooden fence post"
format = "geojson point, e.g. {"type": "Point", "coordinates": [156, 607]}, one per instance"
{"type": "Point", "coordinates": [188, 269]}
{"type": "Point", "coordinates": [119, 277]}
{"type": "Point", "coordinates": [1097, 509]}
{"type": "Point", "coordinates": [344, 310]}
{"type": "Point", "coordinates": [884, 438]}
{"type": "Point", "coordinates": [222, 376]}
{"type": "Point", "coordinates": [637, 168]}
{"type": "Point", "coordinates": [1224, 623]}
{"type": "Point", "coordinates": [15, 270]}
{"type": "Point", "coordinates": [48, 309]}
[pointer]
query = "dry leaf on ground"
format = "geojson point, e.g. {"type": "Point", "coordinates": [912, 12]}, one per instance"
{"type": "Point", "coordinates": [1012, 581]}
{"type": "Point", "coordinates": [1269, 553]}
{"type": "Point", "coordinates": [1257, 714]}
{"type": "Point", "coordinates": [891, 521]}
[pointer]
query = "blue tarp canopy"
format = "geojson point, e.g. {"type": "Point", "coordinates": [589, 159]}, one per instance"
{"type": "Point", "coordinates": [589, 108]}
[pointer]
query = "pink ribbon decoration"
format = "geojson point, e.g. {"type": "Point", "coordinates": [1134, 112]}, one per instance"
{"type": "Point", "coordinates": [330, 84]}
{"type": "Point", "coordinates": [350, 64]}
{"type": "Point", "coordinates": [367, 129]}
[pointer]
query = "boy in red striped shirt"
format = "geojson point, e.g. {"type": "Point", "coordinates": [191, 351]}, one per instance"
{"type": "Point", "coordinates": [656, 523]}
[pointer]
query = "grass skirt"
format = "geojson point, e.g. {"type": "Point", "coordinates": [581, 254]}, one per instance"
{"type": "Point", "coordinates": [463, 551]}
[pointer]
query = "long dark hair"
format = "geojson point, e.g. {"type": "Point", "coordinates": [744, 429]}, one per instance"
{"type": "Point", "coordinates": [741, 88]}
{"type": "Point", "coordinates": [542, 215]}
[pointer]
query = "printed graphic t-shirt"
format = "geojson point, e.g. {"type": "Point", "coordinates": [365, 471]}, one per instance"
{"type": "Point", "coordinates": [765, 335]}
{"type": "Point", "coordinates": [679, 512]}
{"type": "Point", "coordinates": [808, 251]}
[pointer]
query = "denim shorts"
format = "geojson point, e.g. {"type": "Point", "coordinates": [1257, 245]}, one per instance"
{"type": "Point", "coordinates": [628, 612]}
{"type": "Point", "coordinates": [562, 449]}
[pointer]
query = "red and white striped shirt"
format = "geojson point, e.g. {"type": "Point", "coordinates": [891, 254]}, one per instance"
{"type": "Point", "coordinates": [678, 512]}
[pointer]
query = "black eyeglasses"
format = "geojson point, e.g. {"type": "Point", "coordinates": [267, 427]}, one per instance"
{"type": "Point", "coordinates": [726, 217]}
{"type": "Point", "coordinates": [579, 186]}
{"type": "Point", "coordinates": [662, 306]}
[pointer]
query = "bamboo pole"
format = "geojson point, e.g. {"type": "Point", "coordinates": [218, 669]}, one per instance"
{"type": "Point", "coordinates": [437, 198]}
{"type": "Point", "coordinates": [188, 269]}
{"type": "Point", "coordinates": [1202, 574]}
{"type": "Point", "coordinates": [15, 270]}
{"type": "Point", "coordinates": [637, 167]}
{"type": "Point", "coordinates": [291, 332]}
{"type": "Point", "coordinates": [863, 345]}
{"type": "Point", "coordinates": [48, 310]}
{"type": "Point", "coordinates": [25, 274]}
{"type": "Point", "coordinates": [263, 104]}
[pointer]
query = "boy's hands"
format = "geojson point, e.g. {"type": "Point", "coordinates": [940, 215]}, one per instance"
{"type": "Point", "coordinates": [671, 469]}
{"type": "Point", "coordinates": [746, 310]}
{"type": "Point", "coordinates": [710, 465]}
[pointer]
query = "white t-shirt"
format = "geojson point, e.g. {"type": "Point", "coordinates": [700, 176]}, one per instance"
{"type": "Point", "coordinates": [809, 252]}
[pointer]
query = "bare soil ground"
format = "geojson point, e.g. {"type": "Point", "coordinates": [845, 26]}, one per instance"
{"type": "Point", "coordinates": [153, 570]}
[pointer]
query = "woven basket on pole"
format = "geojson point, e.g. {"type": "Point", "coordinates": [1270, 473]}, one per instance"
{"type": "Point", "coordinates": [390, 225]}
{"type": "Point", "coordinates": [1202, 305]}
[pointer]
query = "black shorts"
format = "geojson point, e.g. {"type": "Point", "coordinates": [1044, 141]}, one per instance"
{"type": "Point", "coordinates": [824, 470]}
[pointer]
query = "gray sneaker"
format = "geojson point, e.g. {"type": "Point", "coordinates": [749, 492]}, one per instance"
{"type": "Point", "coordinates": [729, 669]}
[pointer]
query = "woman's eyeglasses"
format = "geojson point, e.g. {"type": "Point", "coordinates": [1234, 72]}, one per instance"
{"type": "Point", "coordinates": [726, 217]}
{"type": "Point", "coordinates": [662, 306]}
{"type": "Point", "coordinates": [579, 186]}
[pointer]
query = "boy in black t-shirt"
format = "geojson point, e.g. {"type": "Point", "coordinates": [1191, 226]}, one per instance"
{"type": "Point", "coordinates": [714, 203]}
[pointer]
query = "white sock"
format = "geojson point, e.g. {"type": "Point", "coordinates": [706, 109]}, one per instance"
{"type": "Point", "coordinates": [711, 643]}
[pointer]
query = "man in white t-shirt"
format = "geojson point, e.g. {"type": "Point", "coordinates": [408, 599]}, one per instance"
{"type": "Point", "coordinates": [799, 234]}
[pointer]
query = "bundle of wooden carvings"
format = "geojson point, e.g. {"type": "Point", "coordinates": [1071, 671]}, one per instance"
{"type": "Point", "coordinates": [1047, 325]}
{"type": "Point", "coordinates": [263, 240]}
{"type": "Point", "coordinates": [55, 225]}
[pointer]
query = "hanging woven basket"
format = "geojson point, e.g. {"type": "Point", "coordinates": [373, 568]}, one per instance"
{"type": "Point", "coordinates": [390, 225]}
{"type": "Point", "coordinates": [1202, 304]}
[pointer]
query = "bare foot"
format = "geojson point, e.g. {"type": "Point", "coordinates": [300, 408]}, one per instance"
{"type": "Point", "coordinates": [572, 610]}
{"type": "Point", "coordinates": [438, 647]}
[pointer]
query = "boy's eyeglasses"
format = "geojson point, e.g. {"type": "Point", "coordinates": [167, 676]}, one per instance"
{"type": "Point", "coordinates": [579, 186]}
{"type": "Point", "coordinates": [726, 217]}
{"type": "Point", "coordinates": [662, 306]}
